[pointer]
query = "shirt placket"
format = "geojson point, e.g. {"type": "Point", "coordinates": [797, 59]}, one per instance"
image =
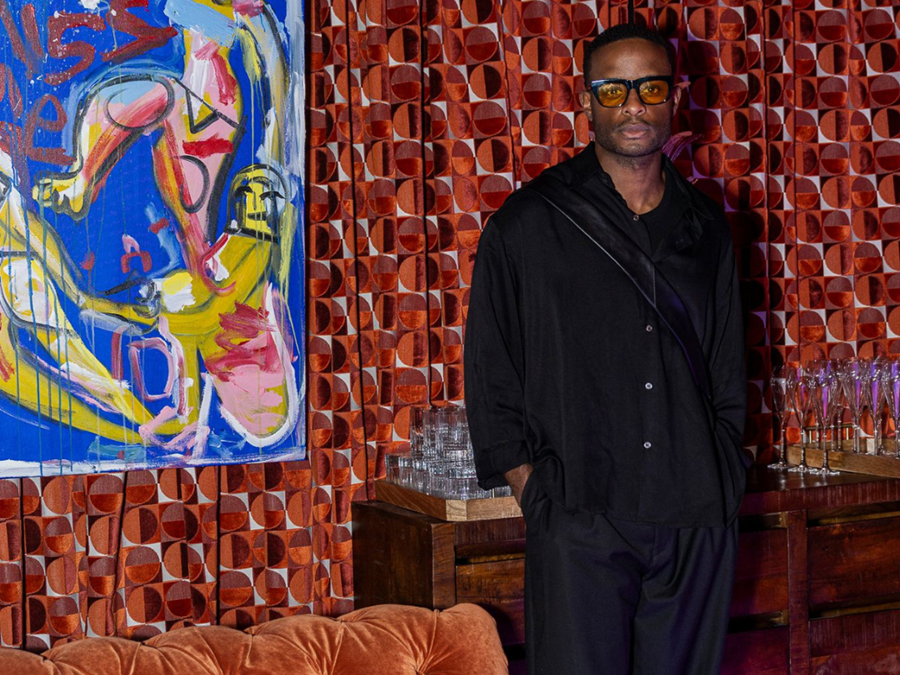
{"type": "Point", "coordinates": [651, 439]}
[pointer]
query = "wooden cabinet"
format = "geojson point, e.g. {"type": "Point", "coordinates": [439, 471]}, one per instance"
{"type": "Point", "coordinates": [410, 558]}
{"type": "Point", "coordinates": [816, 592]}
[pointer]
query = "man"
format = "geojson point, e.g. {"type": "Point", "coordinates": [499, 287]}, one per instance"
{"type": "Point", "coordinates": [623, 452]}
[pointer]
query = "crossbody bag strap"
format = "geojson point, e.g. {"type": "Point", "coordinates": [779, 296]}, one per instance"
{"type": "Point", "coordinates": [636, 265]}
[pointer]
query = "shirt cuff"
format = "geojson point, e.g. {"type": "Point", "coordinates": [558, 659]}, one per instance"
{"type": "Point", "coordinates": [491, 463]}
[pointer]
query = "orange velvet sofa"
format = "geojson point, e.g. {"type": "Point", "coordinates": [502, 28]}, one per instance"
{"type": "Point", "coordinates": [379, 640]}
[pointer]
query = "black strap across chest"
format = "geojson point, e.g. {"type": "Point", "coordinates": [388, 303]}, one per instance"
{"type": "Point", "coordinates": [637, 266]}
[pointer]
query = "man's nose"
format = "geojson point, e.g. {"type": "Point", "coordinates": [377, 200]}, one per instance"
{"type": "Point", "coordinates": [633, 104]}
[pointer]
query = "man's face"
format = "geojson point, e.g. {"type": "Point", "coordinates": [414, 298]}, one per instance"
{"type": "Point", "coordinates": [635, 129]}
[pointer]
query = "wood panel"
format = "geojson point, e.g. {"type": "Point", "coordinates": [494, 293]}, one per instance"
{"type": "Point", "coordinates": [798, 598]}
{"type": "Point", "coordinates": [761, 652]}
{"type": "Point", "coordinates": [761, 575]}
{"type": "Point", "coordinates": [498, 587]}
{"type": "Point", "coordinates": [402, 557]}
{"type": "Point", "coordinates": [854, 564]}
{"type": "Point", "coordinates": [860, 644]}
{"type": "Point", "coordinates": [481, 531]}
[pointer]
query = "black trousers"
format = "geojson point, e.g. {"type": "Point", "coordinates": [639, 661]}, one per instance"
{"type": "Point", "coordinates": [610, 597]}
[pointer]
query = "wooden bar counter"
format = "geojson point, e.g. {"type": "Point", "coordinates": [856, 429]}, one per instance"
{"type": "Point", "coordinates": [817, 587]}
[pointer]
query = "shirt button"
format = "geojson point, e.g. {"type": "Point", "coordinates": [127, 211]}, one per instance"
{"type": "Point", "coordinates": [635, 217]}
{"type": "Point", "coordinates": [648, 445]}
{"type": "Point", "coordinates": [648, 386]}
{"type": "Point", "coordinates": [649, 328]}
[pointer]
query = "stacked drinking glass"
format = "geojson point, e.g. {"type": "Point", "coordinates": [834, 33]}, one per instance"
{"type": "Point", "coordinates": [440, 460]}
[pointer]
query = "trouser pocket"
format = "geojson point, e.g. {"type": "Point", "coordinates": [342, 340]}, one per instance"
{"type": "Point", "coordinates": [531, 494]}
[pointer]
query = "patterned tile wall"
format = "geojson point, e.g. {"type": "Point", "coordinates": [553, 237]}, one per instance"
{"type": "Point", "coordinates": [424, 115]}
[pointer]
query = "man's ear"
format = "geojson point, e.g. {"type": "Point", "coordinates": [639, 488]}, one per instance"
{"type": "Point", "coordinates": [680, 88]}
{"type": "Point", "coordinates": [585, 99]}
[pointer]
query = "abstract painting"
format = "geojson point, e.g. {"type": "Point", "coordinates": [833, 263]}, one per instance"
{"type": "Point", "coordinates": [151, 262]}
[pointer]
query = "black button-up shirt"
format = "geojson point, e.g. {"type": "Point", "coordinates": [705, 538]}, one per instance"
{"type": "Point", "coordinates": [568, 367]}
{"type": "Point", "coordinates": [662, 220]}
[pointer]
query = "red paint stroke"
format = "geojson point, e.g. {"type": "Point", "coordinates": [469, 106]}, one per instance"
{"type": "Point", "coordinates": [245, 322]}
{"type": "Point", "coordinates": [208, 147]}
{"type": "Point", "coordinates": [245, 339]}
{"type": "Point", "coordinates": [207, 51]}
{"type": "Point", "coordinates": [147, 37]}
{"type": "Point", "coordinates": [36, 121]}
{"type": "Point", "coordinates": [26, 56]}
{"type": "Point", "coordinates": [14, 93]}
{"type": "Point", "coordinates": [6, 368]}
{"type": "Point", "coordinates": [248, 7]}
{"type": "Point", "coordinates": [88, 263]}
{"type": "Point", "coordinates": [29, 23]}
{"type": "Point", "coordinates": [146, 260]}
{"type": "Point", "coordinates": [115, 351]}
{"type": "Point", "coordinates": [138, 114]}
{"type": "Point", "coordinates": [147, 430]}
{"type": "Point", "coordinates": [154, 344]}
{"type": "Point", "coordinates": [208, 262]}
{"type": "Point", "coordinates": [227, 83]}
{"type": "Point", "coordinates": [159, 225]}
{"type": "Point", "coordinates": [85, 52]}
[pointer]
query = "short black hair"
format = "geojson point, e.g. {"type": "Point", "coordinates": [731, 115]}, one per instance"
{"type": "Point", "coordinates": [624, 31]}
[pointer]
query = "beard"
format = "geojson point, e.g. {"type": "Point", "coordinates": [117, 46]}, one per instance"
{"type": "Point", "coordinates": [608, 138]}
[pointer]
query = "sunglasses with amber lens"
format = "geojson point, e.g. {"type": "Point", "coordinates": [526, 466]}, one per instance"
{"type": "Point", "coordinates": [653, 90]}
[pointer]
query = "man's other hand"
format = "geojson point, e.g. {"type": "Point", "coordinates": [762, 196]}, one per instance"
{"type": "Point", "coordinates": [517, 478]}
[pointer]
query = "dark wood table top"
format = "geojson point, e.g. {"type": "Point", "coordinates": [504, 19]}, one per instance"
{"type": "Point", "coordinates": [773, 490]}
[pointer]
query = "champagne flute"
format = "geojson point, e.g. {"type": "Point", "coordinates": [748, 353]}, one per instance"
{"type": "Point", "coordinates": [892, 393]}
{"type": "Point", "coordinates": [853, 381]}
{"type": "Point", "coordinates": [876, 400]}
{"type": "Point", "coordinates": [782, 408]}
{"type": "Point", "coordinates": [818, 370]}
{"type": "Point", "coordinates": [839, 397]}
{"type": "Point", "coordinates": [826, 403]}
{"type": "Point", "coordinates": [804, 399]}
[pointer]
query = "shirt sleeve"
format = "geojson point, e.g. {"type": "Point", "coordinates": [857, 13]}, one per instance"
{"type": "Point", "coordinates": [729, 391]}
{"type": "Point", "coordinates": [494, 361]}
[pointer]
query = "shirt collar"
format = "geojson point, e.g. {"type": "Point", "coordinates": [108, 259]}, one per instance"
{"type": "Point", "coordinates": [587, 166]}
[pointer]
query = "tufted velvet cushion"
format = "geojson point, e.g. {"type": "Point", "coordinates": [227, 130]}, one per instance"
{"type": "Point", "coordinates": [380, 640]}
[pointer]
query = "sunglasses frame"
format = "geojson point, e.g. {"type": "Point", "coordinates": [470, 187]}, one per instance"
{"type": "Point", "coordinates": [633, 84]}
